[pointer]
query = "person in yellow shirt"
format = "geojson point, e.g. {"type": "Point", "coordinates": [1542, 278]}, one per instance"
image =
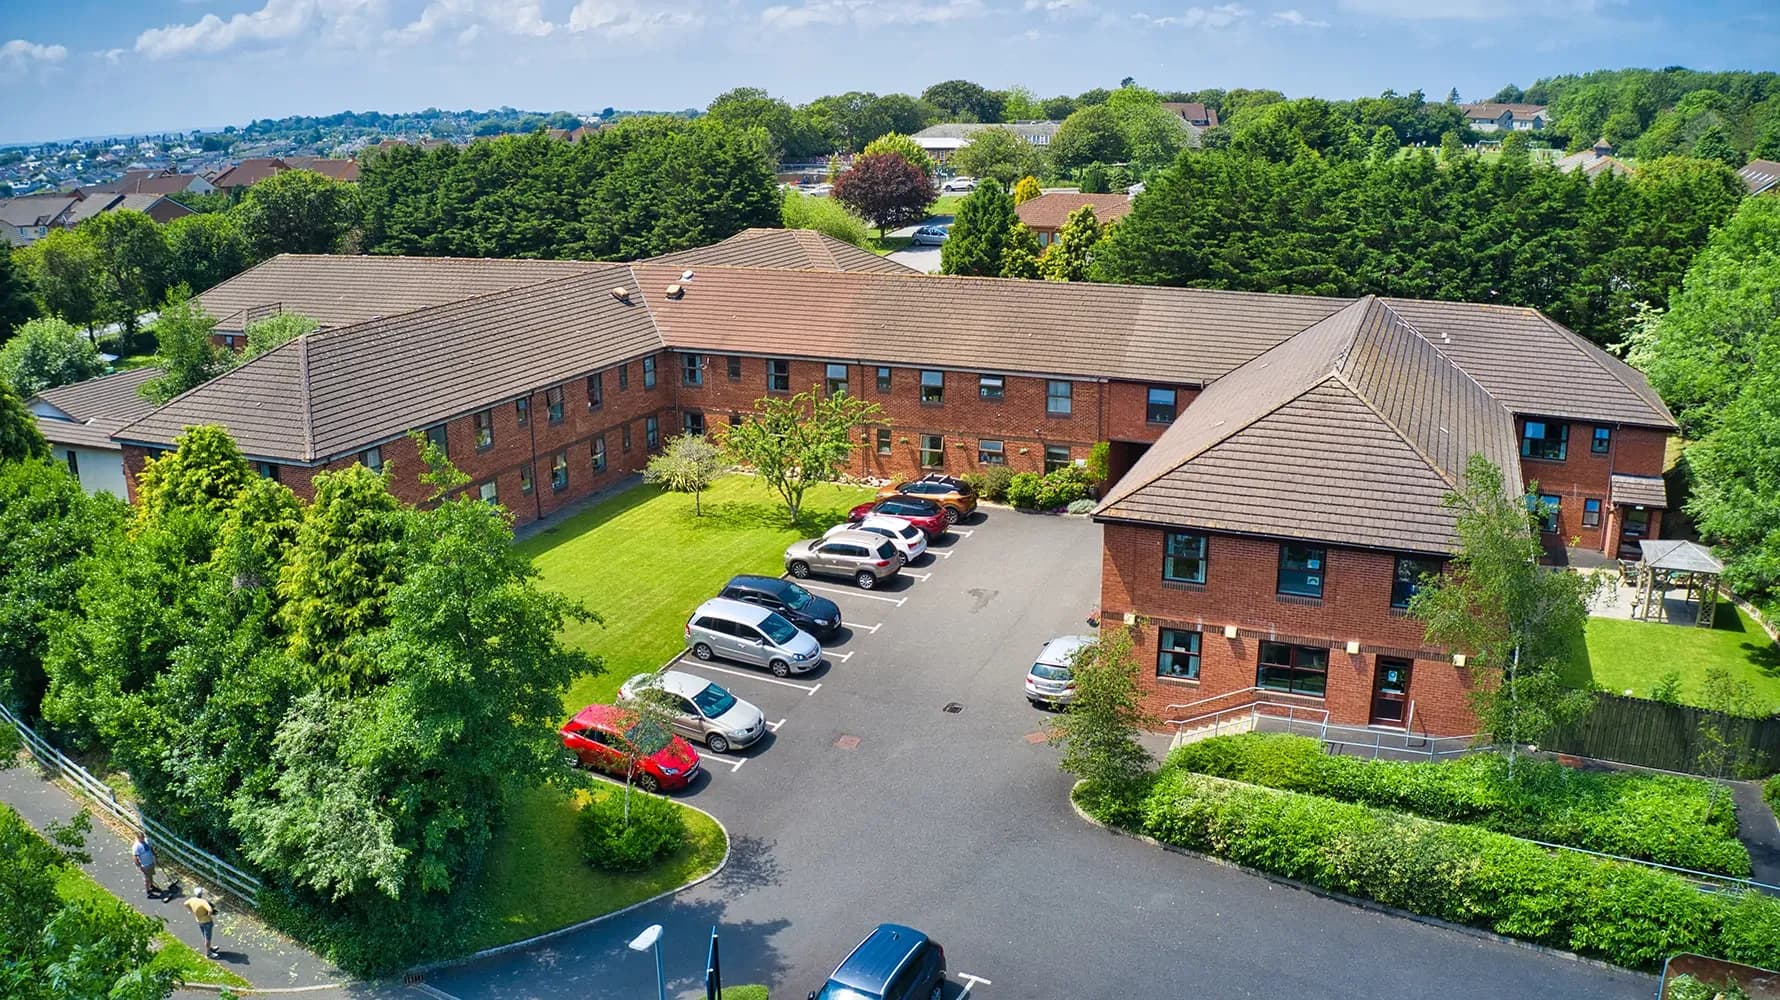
{"type": "Point", "coordinates": [205, 914]}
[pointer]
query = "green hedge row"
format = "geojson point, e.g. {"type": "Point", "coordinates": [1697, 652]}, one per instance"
{"type": "Point", "coordinates": [1627, 914]}
{"type": "Point", "coordinates": [1686, 822]}
{"type": "Point", "coordinates": [1771, 792]}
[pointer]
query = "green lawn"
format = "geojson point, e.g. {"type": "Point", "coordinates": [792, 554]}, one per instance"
{"type": "Point", "coordinates": [887, 245]}
{"type": "Point", "coordinates": [643, 561]}
{"type": "Point", "coordinates": [947, 204]}
{"type": "Point", "coordinates": [535, 880]}
{"type": "Point", "coordinates": [1627, 655]}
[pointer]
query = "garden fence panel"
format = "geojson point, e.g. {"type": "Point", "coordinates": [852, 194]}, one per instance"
{"type": "Point", "coordinates": [1661, 735]}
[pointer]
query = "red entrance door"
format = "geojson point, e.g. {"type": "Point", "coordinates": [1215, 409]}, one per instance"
{"type": "Point", "coordinates": [1390, 691]}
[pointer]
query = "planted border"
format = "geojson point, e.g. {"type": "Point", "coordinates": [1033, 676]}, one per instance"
{"type": "Point", "coordinates": [1627, 914]}
{"type": "Point", "coordinates": [1684, 822]}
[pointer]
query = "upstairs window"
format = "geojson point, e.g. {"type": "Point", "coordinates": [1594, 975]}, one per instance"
{"type": "Point", "coordinates": [1183, 557]}
{"type": "Point", "coordinates": [834, 379]}
{"type": "Point", "coordinates": [691, 369]}
{"type": "Point", "coordinates": [1159, 407]}
{"type": "Point", "coordinates": [1059, 398]}
{"type": "Point", "coordinates": [1302, 569]}
{"type": "Point", "coordinates": [437, 437]}
{"type": "Point", "coordinates": [372, 458]}
{"type": "Point", "coordinates": [778, 375]}
{"type": "Point", "coordinates": [1408, 578]}
{"type": "Point", "coordinates": [1602, 441]}
{"type": "Point", "coordinates": [623, 376]}
{"type": "Point", "coordinates": [522, 411]}
{"type": "Point", "coordinates": [1545, 440]}
{"type": "Point", "coordinates": [992, 387]}
{"type": "Point", "coordinates": [649, 372]}
{"type": "Point", "coordinates": [735, 367]}
{"type": "Point", "coordinates": [596, 390]}
{"type": "Point", "coordinates": [484, 430]}
{"type": "Point", "coordinates": [933, 387]}
{"type": "Point", "coordinates": [553, 403]}
{"type": "Point", "coordinates": [883, 379]}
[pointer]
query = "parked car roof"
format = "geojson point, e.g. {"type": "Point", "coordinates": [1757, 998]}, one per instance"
{"type": "Point", "coordinates": [734, 610]}
{"type": "Point", "coordinates": [1059, 650]}
{"type": "Point", "coordinates": [876, 959]}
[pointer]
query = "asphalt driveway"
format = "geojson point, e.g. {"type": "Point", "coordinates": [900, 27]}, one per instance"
{"type": "Point", "coordinates": [872, 802]}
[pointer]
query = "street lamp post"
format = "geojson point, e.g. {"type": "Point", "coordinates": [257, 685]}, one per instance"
{"type": "Point", "coordinates": [651, 939]}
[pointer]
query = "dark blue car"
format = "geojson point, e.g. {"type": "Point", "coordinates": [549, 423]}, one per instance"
{"type": "Point", "coordinates": [818, 616]}
{"type": "Point", "coordinates": [893, 963]}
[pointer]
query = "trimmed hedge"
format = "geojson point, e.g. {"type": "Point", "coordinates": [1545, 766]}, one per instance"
{"type": "Point", "coordinates": [1685, 822]}
{"type": "Point", "coordinates": [1627, 914]}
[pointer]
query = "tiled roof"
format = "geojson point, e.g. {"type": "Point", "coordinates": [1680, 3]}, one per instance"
{"type": "Point", "coordinates": [34, 209]}
{"type": "Point", "coordinates": [1191, 111]}
{"type": "Point", "coordinates": [1050, 211]}
{"type": "Point", "coordinates": [1184, 335]}
{"type": "Point", "coordinates": [94, 408]}
{"type": "Point", "coordinates": [1639, 491]}
{"type": "Point", "coordinates": [964, 130]}
{"type": "Point", "coordinates": [1491, 109]}
{"type": "Point", "coordinates": [1351, 432]}
{"type": "Point", "coordinates": [794, 249]}
{"type": "Point", "coordinates": [1760, 175]}
{"type": "Point", "coordinates": [337, 168]}
{"type": "Point", "coordinates": [164, 184]}
{"type": "Point", "coordinates": [249, 172]}
{"type": "Point", "coordinates": [335, 392]}
{"type": "Point", "coordinates": [335, 290]}
{"type": "Point", "coordinates": [1535, 366]}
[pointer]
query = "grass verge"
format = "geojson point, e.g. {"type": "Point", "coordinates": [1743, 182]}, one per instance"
{"type": "Point", "coordinates": [1634, 656]}
{"type": "Point", "coordinates": [535, 880]}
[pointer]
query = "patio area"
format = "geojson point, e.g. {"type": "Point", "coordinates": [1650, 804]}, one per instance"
{"type": "Point", "coordinates": [1675, 583]}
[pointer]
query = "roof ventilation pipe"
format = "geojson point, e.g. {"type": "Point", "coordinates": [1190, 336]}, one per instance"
{"type": "Point", "coordinates": [675, 291]}
{"type": "Point", "coordinates": [622, 294]}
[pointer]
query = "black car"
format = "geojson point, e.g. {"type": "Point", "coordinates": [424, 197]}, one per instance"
{"type": "Point", "coordinates": [893, 963]}
{"type": "Point", "coordinates": [818, 616]}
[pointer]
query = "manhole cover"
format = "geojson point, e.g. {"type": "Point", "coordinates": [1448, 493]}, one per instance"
{"type": "Point", "coordinates": [952, 708]}
{"type": "Point", "coordinates": [847, 743]}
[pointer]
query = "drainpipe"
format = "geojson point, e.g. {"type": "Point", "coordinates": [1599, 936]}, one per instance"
{"type": "Point", "coordinates": [531, 424]}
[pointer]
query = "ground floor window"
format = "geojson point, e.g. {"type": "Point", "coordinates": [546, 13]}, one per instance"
{"type": "Point", "coordinates": [559, 471]}
{"type": "Point", "coordinates": [1294, 669]}
{"type": "Point", "coordinates": [487, 492]}
{"type": "Point", "coordinates": [1056, 457]}
{"type": "Point", "coordinates": [525, 479]}
{"type": "Point", "coordinates": [991, 452]}
{"type": "Point", "coordinates": [883, 441]}
{"type": "Point", "coordinates": [1177, 653]}
{"type": "Point", "coordinates": [624, 437]}
{"type": "Point", "coordinates": [694, 423]}
{"type": "Point", "coordinates": [651, 433]}
{"type": "Point", "coordinates": [933, 451]}
{"type": "Point", "coordinates": [599, 454]}
{"type": "Point", "coordinates": [1548, 511]}
{"type": "Point", "coordinates": [1591, 513]}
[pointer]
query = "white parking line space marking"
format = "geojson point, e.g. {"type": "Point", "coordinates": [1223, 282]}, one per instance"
{"type": "Point", "coordinates": [970, 983]}
{"type": "Point", "coordinates": [735, 763]}
{"type": "Point", "coordinates": [774, 726]}
{"type": "Point", "coordinates": [805, 688]}
{"type": "Point", "coordinates": [843, 657]}
{"type": "Point", "coordinates": [947, 554]}
{"type": "Point", "coordinates": [898, 601]}
{"type": "Point", "coordinates": [431, 991]}
{"type": "Point", "coordinates": [965, 532]}
{"type": "Point", "coordinates": [918, 576]}
{"type": "Point", "coordinates": [868, 628]}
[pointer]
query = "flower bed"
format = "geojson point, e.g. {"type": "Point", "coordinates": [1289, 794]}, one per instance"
{"type": "Point", "coordinates": [1684, 822]}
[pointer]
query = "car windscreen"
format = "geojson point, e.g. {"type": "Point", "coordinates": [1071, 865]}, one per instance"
{"type": "Point", "coordinates": [797, 598]}
{"type": "Point", "coordinates": [778, 629]}
{"type": "Point", "coordinates": [648, 736]}
{"type": "Point", "coordinates": [713, 701]}
{"type": "Point", "coordinates": [1050, 673]}
{"type": "Point", "coordinates": [909, 532]}
{"type": "Point", "coordinates": [886, 551]}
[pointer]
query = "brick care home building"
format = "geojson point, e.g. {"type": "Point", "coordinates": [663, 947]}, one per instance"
{"type": "Point", "coordinates": [1278, 461]}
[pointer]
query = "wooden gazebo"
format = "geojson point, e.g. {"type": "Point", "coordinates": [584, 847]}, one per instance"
{"type": "Point", "coordinates": [1671, 563]}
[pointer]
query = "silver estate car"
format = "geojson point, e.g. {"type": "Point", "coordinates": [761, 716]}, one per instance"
{"type": "Point", "coordinates": [701, 710]}
{"type": "Point", "coordinates": [869, 559]}
{"type": "Point", "coordinates": [751, 634]}
{"type": "Point", "coordinates": [1049, 681]}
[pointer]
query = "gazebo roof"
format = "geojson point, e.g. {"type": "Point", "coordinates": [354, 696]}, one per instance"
{"type": "Point", "coordinates": [1680, 556]}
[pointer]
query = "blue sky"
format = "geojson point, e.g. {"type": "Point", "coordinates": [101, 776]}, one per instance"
{"type": "Point", "coordinates": [78, 67]}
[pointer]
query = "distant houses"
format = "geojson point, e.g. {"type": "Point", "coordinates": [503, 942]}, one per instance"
{"type": "Point", "coordinates": [162, 182]}
{"type": "Point", "coordinates": [253, 170]}
{"type": "Point", "coordinates": [941, 141]}
{"type": "Point", "coordinates": [1762, 176]}
{"type": "Point", "coordinates": [29, 219]}
{"type": "Point", "coordinates": [1593, 162]}
{"type": "Point", "coordinates": [1045, 214]}
{"type": "Point", "coordinates": [1491, 116]}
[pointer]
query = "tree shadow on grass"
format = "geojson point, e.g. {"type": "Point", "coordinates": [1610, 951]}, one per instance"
{"type": "Point", "coordinates": [758, 515]}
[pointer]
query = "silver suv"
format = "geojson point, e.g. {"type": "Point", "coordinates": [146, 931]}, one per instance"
{"type": "Point", "coordinates": [749, 633]}
{"type": "Point", "coordinates": [1050, 680]}
{"type": "Point", "coordinates": [701, 710]}
{"type": "Point", "coordinates": [869, 559]}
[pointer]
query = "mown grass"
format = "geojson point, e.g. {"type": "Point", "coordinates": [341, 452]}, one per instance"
{"type": "Point", "coordinates": [1634, 656]}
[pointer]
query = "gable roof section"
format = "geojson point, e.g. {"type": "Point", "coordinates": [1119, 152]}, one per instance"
{"type": "Point", "coordinates": [1050, 211]}
{"type": "Point", "coordinates": [337, 290]}
{"type": "Point", "coordinates": [337, 168]}
{"type": "Point", "coordinates": [1180, 335]}
{"type": "Point", "coordinates": [794, 249]}
{"type": "Point", "coordinates": [86, 413]}
{"type": "Point", "coordinates": [332, 393]}
{"type": "Point", "coordinates": [1761, 176]}
{"type": "Point", "coordinates": [1534, 366]}
{"type": "Point", "coordinates": [1316, 439]}
{"type": "Point", "coordinates": [35, 209]}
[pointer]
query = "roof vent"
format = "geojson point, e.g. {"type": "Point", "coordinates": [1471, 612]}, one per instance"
{"type": "Point", "coordinates": [675, 291]}
{"type": "Point", "coordinates": [621, 293]}
{"type": "Point", "coordinates": [686, 275]}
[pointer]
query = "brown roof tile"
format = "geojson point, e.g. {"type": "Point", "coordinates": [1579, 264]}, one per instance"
{"type": "Point", "coordinates": [249, 172]}
{"type": "Point", "coordinates": [91, 410]}
{"type": "Point", "coordinates": [794, 249]}
{"type": "Point", "coordinates": [339, 169]}
{"type": "Point", "coordinates": [1050, 211]}
{"type": "Point", "coordinates": [1642, 491]}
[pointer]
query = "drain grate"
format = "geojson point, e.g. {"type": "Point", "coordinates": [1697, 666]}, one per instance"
{"type": "Point", "coordinates": [952, 708]}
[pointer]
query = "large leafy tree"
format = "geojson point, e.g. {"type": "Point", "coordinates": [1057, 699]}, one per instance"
{"type": "Point", "coordinates": [205, 250]}
{"type": "Point", "coordinates": [64, 272]}
{"type": "Point", "coordinates": [795, 443]}
{"type": "Point", "coordinates": [998, 153]}
{"type": "Point", "coordinates": [1516, 621]}
{"type": "Point", "coordinates": [963, 101]}
{"type": "Point", "coordinates": [1736, 488]}
{"type": "Point", "coordinates": [132, 259]}
{"type": "Point", "coordinates": [980, 233]}
{"type": "Point", "coordinates": [46, 353]}
{"type": "Point", "coordinates": [184, 351]}
{"type": "Point", "coordinates": [1091, 135]}
{"type": "Point", "coordinates": [16, 302]}
{"type": "Point", "coordinates": [297, 211]}
{"type": "Point", "coordinates": [19, 437]}
{"type": "Point", "coordinates": [1152, 134]}
{"type": "Point", "coordinates": [886, 190]}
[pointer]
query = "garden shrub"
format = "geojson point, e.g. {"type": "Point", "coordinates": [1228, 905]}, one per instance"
{"type": "Point", "coordinates": [1688, 988]}
{"type": "Point", "coordinates": [1054, 490]}
{"type": "Point", "coordinates": [1080, 507]}
{"type": "Point", "coordinates": [656, 828]}
{"type": "Point", "coordinates": [995, 480]}
{"type": "Point", "coordinates": [1771, 792]}
{"type": "Point", "coordinates": [1686, 822]}
{"type": "Point", "coordinates": [1629, 915]}
{"type": "Point", "coordinates": [744, 993]}
{"type": "Point", "coordinates": [1022, 490]}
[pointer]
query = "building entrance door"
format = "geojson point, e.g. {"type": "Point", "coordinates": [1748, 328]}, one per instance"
{"type": "Point", "coordinates": [1390, 691]}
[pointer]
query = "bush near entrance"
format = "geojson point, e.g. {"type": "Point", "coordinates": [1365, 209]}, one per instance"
{"type": "Point", "coordinates": [1685, 822]}
{"type": "Point", "coordinates": [1624, 913]}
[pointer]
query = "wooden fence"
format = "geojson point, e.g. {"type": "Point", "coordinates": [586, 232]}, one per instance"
{"type": "Point", "coordinates": [1661, 735]}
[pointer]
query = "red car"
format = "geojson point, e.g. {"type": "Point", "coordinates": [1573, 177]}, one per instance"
{"type": "Point", "coordinates": [607, 738]}
{"type": "Point", "coordinates": [924, 514]}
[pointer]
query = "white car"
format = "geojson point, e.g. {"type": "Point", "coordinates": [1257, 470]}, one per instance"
{"type": "Point", "coordinates": [909, 540]}
{"type": "Point", "coordinates": [702, 711]}
{"type": "Point", "coordinates": [959, 184]}
{"type": "Point", "coordinates": [928, 236]}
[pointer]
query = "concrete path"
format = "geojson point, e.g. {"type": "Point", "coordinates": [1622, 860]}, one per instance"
{"type": "Point", "coordinates": [248, 948]}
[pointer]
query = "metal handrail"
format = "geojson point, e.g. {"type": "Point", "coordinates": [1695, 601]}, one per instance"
{"type": "Point", "coordinates": [220, 873]}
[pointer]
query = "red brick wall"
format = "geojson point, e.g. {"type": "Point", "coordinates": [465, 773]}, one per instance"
{"type": "Point", "coordinates": [1127, 409]}
{"type": "Point", "coordinates": [1240, 589]}
{"type": "Point", "coordinates": [1583, 475]}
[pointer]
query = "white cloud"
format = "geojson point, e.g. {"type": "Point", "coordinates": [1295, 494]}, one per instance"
{"type": "Point", "coordinates": [1061, 8]}
{"type": "Point", "coordinates": [21, 56]}
{"type": "Point", "coordinates": [469, 17]}
{"type": "Point", "coordinates": [631, 19]}
{"type": "Point", "coordinates": [1473, 10]}
{"type": "Point", "coordinates": [1221, 16]}
{"type": "Point", "coordinates": [1294, 19]}
{"type": "Point", "coordinates": [871, 13]}
{"type": "Point", "coordinates": [337, 21]}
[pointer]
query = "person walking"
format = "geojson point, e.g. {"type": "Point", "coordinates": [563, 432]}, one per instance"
{"type": "Point", "coordinates": [144, 854]}
{"type": "Point", "coordinates": [205, 915]}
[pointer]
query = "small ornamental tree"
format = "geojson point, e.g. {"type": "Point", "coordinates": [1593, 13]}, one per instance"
{"type": "Point", "coordinates": [886, 190]}
{"type": "Point", "coordinates": [1099, 733]}
{"type": "Point", "coordinates": [46, 353]}
{"type": "Point", "coordinates": [1072, 253]}
{"type": "Point", "coordinates": [686, 465]}
{"type": "Point", "coordinates": [796, 443]}
{"type": "Point", "coordinates": [1026, 189]}
{"type": "Point", "coordinates": [185, 354]}
{"type": "Point", "coordinates": [1020, 256]}
{"type": "Point", "coordinates": [905, 147]}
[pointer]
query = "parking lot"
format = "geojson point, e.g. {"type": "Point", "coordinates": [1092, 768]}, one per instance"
{"type": "Point", "coordinates": [907, 780]}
